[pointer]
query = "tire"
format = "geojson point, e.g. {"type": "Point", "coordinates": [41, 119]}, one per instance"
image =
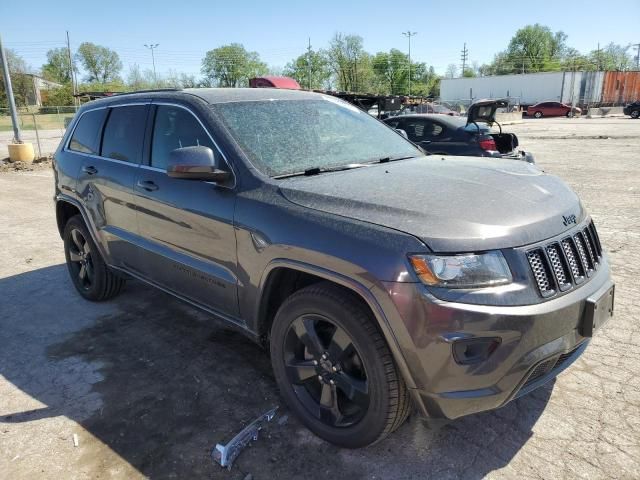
{"type": "Point", "coordinates": [368, 399]}
{"type": "Point", "coordinates": [538, 114]}
{"type": "Point", "coordinates": [569, 115]}
{"type": "Point", "coordinates": [91, 276]}
{"type": "Point", "coordinates": [635, 114]}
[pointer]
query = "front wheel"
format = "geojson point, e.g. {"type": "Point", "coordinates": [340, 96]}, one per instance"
{"type": "Point", "coordinates": [635, 114]}
{"type": "Point", "coordinates": [538, 114]}
{"type": "Point", "coordinates": [334, 368]}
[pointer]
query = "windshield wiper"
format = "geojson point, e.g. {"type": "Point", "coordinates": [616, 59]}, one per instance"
{"type": "Point", "coordinates": [393, 159]}
{"type": "Point", "coordinates": [318, 170]}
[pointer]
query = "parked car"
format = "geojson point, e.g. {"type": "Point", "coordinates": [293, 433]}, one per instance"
{"type": "Point", "coordinates": [444, 135]}
{"type": "Point", "coordinates": [380, 279]}
{"type": "Point", "coordinates": [552, 109]}
{"type": "Point", "coordinates": [430, 108]}
{"type": "Point", "coordinates": [632, 109]}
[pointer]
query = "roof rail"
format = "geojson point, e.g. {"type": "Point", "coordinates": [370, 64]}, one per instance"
{"type": "Point", "coordinates": [150, 90]}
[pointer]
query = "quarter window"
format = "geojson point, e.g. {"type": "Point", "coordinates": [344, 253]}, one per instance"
{"type": "Point", "coordinates": [86, 136]}
{"type": "Point", "coordinates": [124, 133]}
{"type": "Point", "coordinates": [175, 128]}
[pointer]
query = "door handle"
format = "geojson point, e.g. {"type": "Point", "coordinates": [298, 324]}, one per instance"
{"type": "Point", "coordinates": [148, 185]}
{"type": "Point", "coordinates": [90, 170]}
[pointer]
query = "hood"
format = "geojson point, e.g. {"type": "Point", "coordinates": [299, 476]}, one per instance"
{"type": "Point", "coordinates": [453, 204]}
{"type": "Point", "coordinates": [485, 111]}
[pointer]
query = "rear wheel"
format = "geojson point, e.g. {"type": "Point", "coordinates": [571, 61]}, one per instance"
{"type": "Point", "coordinates": [334, 368]}
{"type": "Point", "coordinates": [538, 114]}
{"type": "Point", "coordinates": [91, 276]}
{"type": "Point", "coordinates": [569, 114]}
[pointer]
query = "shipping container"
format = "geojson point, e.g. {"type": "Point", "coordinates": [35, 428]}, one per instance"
{"type": "Point", "coordinates": [621, 87]}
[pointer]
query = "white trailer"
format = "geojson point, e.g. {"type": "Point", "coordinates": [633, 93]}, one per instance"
{"type": "Point", "coordinates": [527, 89]}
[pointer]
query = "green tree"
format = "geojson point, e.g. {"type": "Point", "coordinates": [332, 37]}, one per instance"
{"type": "Point", "coordinates": [537, 48]}
{"type": "Point", "coordinates": [350, 64]}
{"type": "Point", "coordinates": [21, 83]}
{"type": "Point", "coordinates": [612, 57]}
{"type": "Point", "coordinates": [57, 68]}
{"type": "Point", "coordinates": [392, 69]}
{"type": "Point", "coordinates": [469, 73]}
{"type": "Point", "coordinates": [311, 70]}
{"type": "Point", "coordinates": [232, 66]}
{"type": "Point", "coordinates": [59, 96]}
{"type": "Point", "coordinates": [101, 64]}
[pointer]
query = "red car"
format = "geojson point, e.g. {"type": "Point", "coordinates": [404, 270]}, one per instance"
{"type": "Point", "coordinates": [552, 109]}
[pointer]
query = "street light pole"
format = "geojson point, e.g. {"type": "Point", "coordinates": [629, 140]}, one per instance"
{"type": "Point", "coordinates": [409, 34]}
{"type": "Point", "coordinates": [152, 47]}
{"type": "Point", "coordinates": [9, 91]}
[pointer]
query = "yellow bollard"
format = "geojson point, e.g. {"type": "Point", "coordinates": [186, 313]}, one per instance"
{"type": "Point", "coordinates": [21, 152]}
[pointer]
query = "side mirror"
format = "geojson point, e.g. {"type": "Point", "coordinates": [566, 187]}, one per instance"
{"type": "Point", "coordinates": [195, 163]}
{"type": "Point", "coordinates": [402, 132]}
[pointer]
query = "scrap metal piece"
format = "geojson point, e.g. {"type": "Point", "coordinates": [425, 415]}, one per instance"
{"type": "Point", "coordinates": [226, 454]}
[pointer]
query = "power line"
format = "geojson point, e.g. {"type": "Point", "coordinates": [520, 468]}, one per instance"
{"type": "Point", "coordinates": [464, 57]}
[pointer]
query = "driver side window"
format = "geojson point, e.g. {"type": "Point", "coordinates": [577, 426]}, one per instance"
{"type": "Point", "coordinates": [175, 127]}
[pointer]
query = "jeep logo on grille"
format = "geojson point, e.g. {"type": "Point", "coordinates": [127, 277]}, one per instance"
{"type": "Point", "coordinates": [568, 220]}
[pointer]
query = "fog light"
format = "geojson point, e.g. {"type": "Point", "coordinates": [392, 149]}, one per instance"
{"type": "Point", "coordinates": [474, 350]}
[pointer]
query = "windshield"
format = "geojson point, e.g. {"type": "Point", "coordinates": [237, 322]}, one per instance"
{"type": "Point", "coordinates": [289, 136]}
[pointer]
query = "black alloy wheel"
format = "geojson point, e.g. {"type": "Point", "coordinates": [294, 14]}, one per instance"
{"type": "Point", "coordinates": [326, 371]}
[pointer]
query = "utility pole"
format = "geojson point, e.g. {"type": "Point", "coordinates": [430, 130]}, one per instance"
{"type": "Point", "coordinates": [409, 34]}
{"type": "Point", "coordinates": [637, 47]}
{"type": "Point", "coordinates": [9, 90]}
{"type": "Point", "coordinates": [309, 65]}
{"type": "Point", "coordinates": [152, 47]}
{"type": "Point", "coordinates": [599, 66]}
{"type": "Point", "coordinates": [464, 57]}
{"type": "Point", "coordinates": [71, 71]}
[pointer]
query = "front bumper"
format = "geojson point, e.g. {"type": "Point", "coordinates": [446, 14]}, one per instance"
{"type": "Point", "coordinates": [533, 340]}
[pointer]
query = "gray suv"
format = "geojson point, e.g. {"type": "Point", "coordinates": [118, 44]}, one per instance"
{"type": "Point", "coordinates": [382, 280]}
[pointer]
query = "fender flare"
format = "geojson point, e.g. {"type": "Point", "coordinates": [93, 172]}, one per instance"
{"type": "Point", "coordinates": [358, 289]}
{"type": "Point", "coordinates": [88, 221]}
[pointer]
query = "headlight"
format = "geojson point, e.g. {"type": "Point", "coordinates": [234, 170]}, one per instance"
{"type": "Point", "coordinates": [462, 271]}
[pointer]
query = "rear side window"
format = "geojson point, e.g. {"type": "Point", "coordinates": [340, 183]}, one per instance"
{"type": "Point", "coordinates": [175, 128]}
{"type": "Point", "coordinates": [86, 136]}
{"type": "Point", "coordinates": [124, 133]}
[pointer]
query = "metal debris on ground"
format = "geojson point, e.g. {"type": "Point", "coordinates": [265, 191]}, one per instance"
{"type": "Point", "coordinates": [75, 439]}
{"type": "Point", "coordinates": [226, 454]}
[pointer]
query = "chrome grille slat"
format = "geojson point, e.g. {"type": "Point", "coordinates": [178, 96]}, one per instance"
{"type": "Point", "coordinates": [560, 265]}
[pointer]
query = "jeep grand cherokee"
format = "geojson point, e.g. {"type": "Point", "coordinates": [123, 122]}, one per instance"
{"type": "Point", "coordinates": [381, 279]}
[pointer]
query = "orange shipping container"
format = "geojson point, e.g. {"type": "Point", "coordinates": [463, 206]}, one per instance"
{"type": "Point", "coordinates": [621, 87]}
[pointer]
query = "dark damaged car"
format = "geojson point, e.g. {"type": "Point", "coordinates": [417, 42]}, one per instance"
{"type": "Point", "coordinates": [470, 136]}
{"type": "Point", "coordinates": [381, 280]}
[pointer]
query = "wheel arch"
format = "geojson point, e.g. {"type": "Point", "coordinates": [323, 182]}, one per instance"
{"type": "Point", "coordinates": [280, 270]}
{"type": "Point", "coordinates": [67, 207]}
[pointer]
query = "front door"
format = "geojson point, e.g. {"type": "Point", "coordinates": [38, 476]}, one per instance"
{"type": "Point", "coordinates": [189, 241]}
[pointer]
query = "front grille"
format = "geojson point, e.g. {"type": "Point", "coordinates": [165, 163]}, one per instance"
{"type": "Point", "coordinates": [567, 263]}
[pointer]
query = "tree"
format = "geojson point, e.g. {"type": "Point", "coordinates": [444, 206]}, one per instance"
{"type": "Point", "coordinates": [393, 70]}
{"type": "Point", "coordinates": [452, 71]}
{"type": "Point", "coordinates": [21, 83]}
{"type": "Point", "coordinates": [57, 68]}
{"type": "Point", "coordinates": [535, 48]}
{"type": "Point", "coordinates": [101, 64]}
{"type": "Point", "coordinates": [612, 57]}
{"type": "Point", "coordinates": [469, 73]}
{"type": "Point", "coordinates": [232, 66]}
{"type": "Point", "coordinates": [350, 64]}
{"type": "Point", "coordinates": [311, 70]}
{"type": "Point", "coordinates": [59, 96]}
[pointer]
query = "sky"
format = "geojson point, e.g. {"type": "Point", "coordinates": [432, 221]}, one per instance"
{"type": "Point", "coordinates": [279, 30]}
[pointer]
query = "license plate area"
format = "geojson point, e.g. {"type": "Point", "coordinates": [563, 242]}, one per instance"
{"type": "Point", "coordinates": [597, 312]}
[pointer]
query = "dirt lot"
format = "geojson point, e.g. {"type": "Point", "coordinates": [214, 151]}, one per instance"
{"type": "Point", "coordinates": [149, 385]}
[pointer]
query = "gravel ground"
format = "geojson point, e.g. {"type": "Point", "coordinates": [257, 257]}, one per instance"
{"type": "Point", "coordinates": [148, 385]}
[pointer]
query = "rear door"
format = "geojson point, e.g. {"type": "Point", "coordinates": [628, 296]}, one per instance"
{"type": "Point", "coordinates": [189, 242]}
{"type": "Point", "coordinates": [433, 136]}
{"type": "Point", "coordinates": [108, 171]}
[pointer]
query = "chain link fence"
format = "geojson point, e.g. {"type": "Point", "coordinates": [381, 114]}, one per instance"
{"type": "Point", "coordinates": [42, 126]}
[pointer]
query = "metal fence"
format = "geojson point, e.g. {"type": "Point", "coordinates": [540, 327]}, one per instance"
{"type": "Point", "coordinates": [42, 126]}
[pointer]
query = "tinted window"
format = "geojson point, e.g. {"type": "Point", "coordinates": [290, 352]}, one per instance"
{"type": "Point", "coordinates": [123, 133]}
{"type": "Point", "coordinates": [419, 130]}
{"type": "Point", "coordinates": [175, 128]}
{"type": "Point", "coordinates": [86, 136]}
{"type": "Point", "coordinates": [290, 136]}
